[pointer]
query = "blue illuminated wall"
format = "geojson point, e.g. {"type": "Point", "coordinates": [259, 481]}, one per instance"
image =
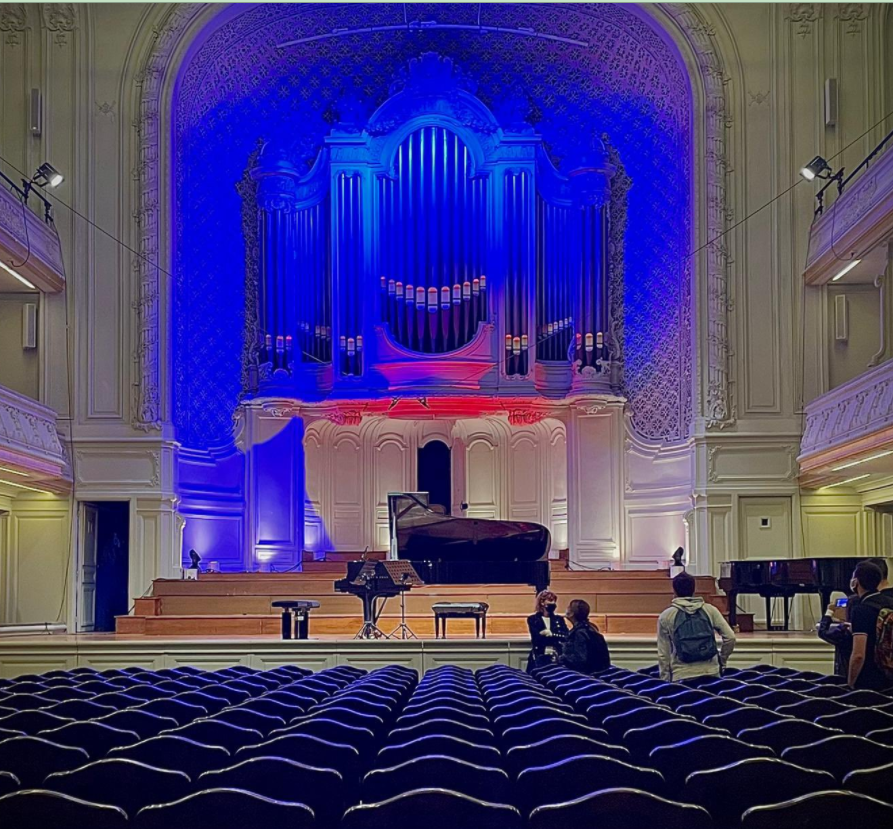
{"type": "Point", "coordinates": [238, 87]}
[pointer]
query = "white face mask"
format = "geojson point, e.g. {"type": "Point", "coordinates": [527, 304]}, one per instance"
{"type": "Point", "coordinates": [853, 585]}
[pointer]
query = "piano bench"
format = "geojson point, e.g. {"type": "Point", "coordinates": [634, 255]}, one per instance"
{"type": "Point", "coordinates": [299, 611]}
{"type": "Point", "coordinates": [460, 610]}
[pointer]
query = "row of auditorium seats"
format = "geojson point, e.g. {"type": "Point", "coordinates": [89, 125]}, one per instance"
{"type": "Point", "coordinates": [498, 748]}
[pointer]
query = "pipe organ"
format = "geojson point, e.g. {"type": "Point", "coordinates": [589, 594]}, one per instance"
{"type": "Point", "coordinates": [431, 248]}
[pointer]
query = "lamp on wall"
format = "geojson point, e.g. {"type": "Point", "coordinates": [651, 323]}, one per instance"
{"type": "Point", "coordinates": [46, 175]}
{"type": "Point", "coordinates": [816, 168]}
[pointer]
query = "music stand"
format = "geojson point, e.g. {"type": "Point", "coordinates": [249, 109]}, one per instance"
{"type": "Point", "coordinates": [404, 574]}
{"type": "Point", "coordinates": [370, 629]}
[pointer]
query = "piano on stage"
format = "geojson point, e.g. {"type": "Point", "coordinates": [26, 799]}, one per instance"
{"type": "Point", "coordinates": [783, 578]}
{"type": "Point", "coordinates": [443, 549]}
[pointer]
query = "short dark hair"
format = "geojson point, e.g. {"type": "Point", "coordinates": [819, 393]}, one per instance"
{"type": "Point", "coordinates": [578, 610]}
{"type": "Point", "coordinates": [868, 575]}
{"type": "Point", "coordinates": [684, 585]}
{"type": "Point", "coordinates": [881, 564]}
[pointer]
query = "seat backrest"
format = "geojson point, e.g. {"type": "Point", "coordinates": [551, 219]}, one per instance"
{"type": "Point", "coordinates": [877, 782]}
{"type": "Point", "coordinates": [393, 755]}
{"type": "Point", "coordinates": [31, 722]}
{"type": "Point", "coordinates": [182, 712]}
{"type": "Point", "coordinates": [676, 762]}
{"type": "Point", "coordinates": [8, 782]}
{"type": "Point", "coordinates": [729, 791]}
{"type": "Point", "coordinates": [555, 749]}
{"type": "Point", "coordinates": [435, 808]}
{"type": "Point", "coordinates": [31, 759]}
{"type": "Point", "coordinates": [96, 738]}
{"type": "Point", "coordinates": [621, 808]}
{"type": "Point", "coordinates": [776, 699]}
{"type": "Point", "coordinates": [811, 708]}
{"type": "Point", "coordinates": [550, 727]}
{"type": "Point", "coordinates": [821, 809]}
{"type": "Point", "coordinates": [452, 728]}
{"type": "Point", "coordinates": [618, 724]}
{"type": "Point", "coordinates": [127, 784]}
{"type": "Point", "coordinates": [357, 736]}
{"type": "Point", "coordinates": [225, 809]}
{"type": "Point", "coordinates": [303, 748]}
{"type": "Point", "coordinates": [857, 720]}
{"type": "Point", "coordinates": [641, 741]}
{"type": "Point", "coordinates": [34, 808]}
{"type": "Point", "coordinates": [449, 713]}
{"type": "Point", "coordinates": [575, 777]}
{"type": "Point", "coordinates": [205, 699]}
{"type": "Point", "coordinates": [436, 771]}
{"type": "Point", "coordinates": [142, 722]}
{"type": "Point", "coordinates": [840, 754]}
{"type": "Point", "coordinates": [706, 707]}
{"type": "Point", "coordinates": [883, 736]}
{"type": "Point", "coordinates": [177, 753]}
{"type": "Point", "coordinates": [245, 718]}
{"type": "Point", "coordinates": [784, 733]}
{"type": "Point", "coordinates": [211, 733]}
{"type": "Point", "coordinates": [323, 790]}
{"type": "Point", "coordinates": [747, 717]}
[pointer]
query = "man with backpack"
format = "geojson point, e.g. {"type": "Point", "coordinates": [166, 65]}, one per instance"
{"type": "Point", "coordinates": [871, 663]}
{"type": "Point", "coordinates": [686, 635]}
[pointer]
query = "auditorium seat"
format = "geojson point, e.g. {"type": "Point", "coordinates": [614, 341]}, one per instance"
{"type": "Point", "coordinates": [552, 727]}
{"type": "Point", "coordinates": [676, 762]}
{"type": "Point", "coordinates": [322, 789]}
{"type": "Point", "coordinates": [535, 714]}
{"type": "Point", "coordinates": [555, 749]}
{"type": "Point", "coordinates": [31, 759]}
{"type": "Point", "coordinates": [876, 782]}
{"type": "Point", "coordinates": [30, 722]}
{"type": "Point", "coordinates": [884, 736]}
{"type": "Point", "coordinates": [119, 700]}
{"type": "Point", "coordinates": [812, 708]}
{"type": "Point", "coordinates": [344, 713]}
{"type": "Point", "coordinates": [359, 737]}
{"type": "Point", "coordinates": [225, 809]}
{"type": "Point", "coordinates": [233, 695]}
{"type": "Point", "coordinates": [301, 747]}
{"type": "Point", "coordinates": [142, 722]}
{"type": "Point", "coordinates": [244, 718]}
{"type": "Point", "coordinates": [64, 694]}
{"type": "Point", "coordinates": [784, 733]}
{"type": "Point", "coordinates": [618, 724]}
{"type": "Point", "coordinates": [40, 809]}
{"type": "Point", "coordinates": [709, 707]}
{"type": "Point", "coordinates": [686, 697]}
{"type": "Point", "coordinates": [27, 702]}
{"type": "Point", "coordinates": [840, 754]}
{"type": "Point", "coordinates": [436, 771]}
{"type": "Point", "coordinates": [451, 728]}
{"type": "Point", "coordinates": [822, 691]}
{"type": "Point", "coordinates": [443, 712]}
{"type": "Point", "coordinates": [213, 733]}
{"type": "Point", "coordinates": [576, 777]}
{"type": "Point", "coordinates": [274, 708]}
{"type": "Point", "coordinates": [820, 811]}
{"type": "Point", "coordinates": [776, 699]}
{"type": "Point", "coordinates": [857, 721]}
{"type": "Point", "coordinates": [597, 712]}
{"type": "Point", "coordinates": [205, 699]}
{"type": "Point", "coordinates": [729, 791]}
{"type": "Point", "coordinates": [96, 738]}
{"type": "Point", "coordinates": [127, 784]}
{"type": "Point", "coordinates": [641, 741]}
{"type": "Point", "coordinates": [434, 809]}
{"type": "Point", "coordinates": [177, 753]}
{"type": "Point", "coordinates": [665, 689]}
{"type": "Point", "coordinates": [79, 709]}
{"type": "Point", "coordinates": [743, 718]}
{"type": "Point", "coordinates": [621, 809]}
{"type": "Point", "coordinates": [182, 712]}
{"type": "Point", "coordinates": [864, 698]}
{"type": "Point", "coordinates": [8, 782]}
{"type": "Point", "coordinates": [437, 744]}
{"type": "Point", "coordinates": [747, 693]}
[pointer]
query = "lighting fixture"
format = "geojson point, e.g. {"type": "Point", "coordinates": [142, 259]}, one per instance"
{"type": "Point", "coordinates": [815, 168]}
{"type": "Point", "coordinates": [844, 271]}
{"type": "Point", "coordinates": [862, 460]}
{"type": "Point", "coordinates": [848, 481]}
{"type": "Point", "coordinates": [23, 486]}
{"type": "Point", "coordinates": [47, 175]}
{"type": "Point", "coordinates": [12, 471]}
{"type": "Point", "coordinates": [18, 276]}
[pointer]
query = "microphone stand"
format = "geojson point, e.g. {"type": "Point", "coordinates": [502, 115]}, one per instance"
{"type": "Point", "coordinates": [403, 629]}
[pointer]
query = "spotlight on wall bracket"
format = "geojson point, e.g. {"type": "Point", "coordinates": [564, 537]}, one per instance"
{"type": "Point", "coordinates": [46, 175]}
{"type": "Point", "coordinates": [817, 168]}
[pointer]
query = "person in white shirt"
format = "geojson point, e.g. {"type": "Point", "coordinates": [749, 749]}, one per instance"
{"type": "Point", "coordinates": [686, 635]}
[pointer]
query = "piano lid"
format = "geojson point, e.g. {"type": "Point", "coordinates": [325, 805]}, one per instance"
{"type": "Point", "coordinates": [419, 533]}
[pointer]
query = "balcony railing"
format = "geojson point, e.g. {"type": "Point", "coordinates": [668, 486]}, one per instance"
{"type": "Point", "coordinates": [31, 454]}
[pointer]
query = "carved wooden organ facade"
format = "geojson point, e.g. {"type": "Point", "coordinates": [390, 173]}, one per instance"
{"type": "Point", "coordinates": [432, 248]}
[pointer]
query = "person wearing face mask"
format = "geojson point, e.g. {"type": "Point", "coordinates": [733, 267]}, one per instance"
{"type": "Point", "coordinates": [547, 631]}
{"type": "Point", "coordinates": [586, 650]}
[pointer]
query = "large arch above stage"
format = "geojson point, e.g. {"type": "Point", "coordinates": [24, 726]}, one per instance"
{"type": "Point", "coordinates": [201, 391]}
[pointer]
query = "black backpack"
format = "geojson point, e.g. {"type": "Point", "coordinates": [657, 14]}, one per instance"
{"type": "Point", "coordinates": [693, 636]}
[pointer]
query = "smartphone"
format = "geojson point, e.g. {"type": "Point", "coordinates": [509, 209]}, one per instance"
{"type": "Point", "coordinates": [842, 602]}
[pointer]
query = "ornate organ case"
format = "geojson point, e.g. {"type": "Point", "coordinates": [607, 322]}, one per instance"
{"type": "Point", "coordinates": [431, 248]}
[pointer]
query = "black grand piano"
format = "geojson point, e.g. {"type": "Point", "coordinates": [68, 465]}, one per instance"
{"type": "Point", "coordinates": [783, 578]}
{"type": "Point", "coordinates": [444, 549]}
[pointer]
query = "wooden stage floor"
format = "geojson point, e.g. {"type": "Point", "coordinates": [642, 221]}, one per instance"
{"type": "Point", "coordinates": [40, 653]}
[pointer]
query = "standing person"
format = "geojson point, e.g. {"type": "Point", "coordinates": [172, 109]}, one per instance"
{"type": "Point", "coordinates": [884, 587]}
{"type": "Point", "coordinates": [585, 650]}
{"type": "Point", "coordinates": [864, 671]}
{"type": "Point", "coordinates": [686, 635]}
{"type": "Point", "coordinates": [548, 631]}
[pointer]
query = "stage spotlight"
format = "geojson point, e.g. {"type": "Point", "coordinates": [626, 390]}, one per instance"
{"type": "Point", "coordinates": [815, 168]}
{"type": "Point", "coordinates": [47, 175]}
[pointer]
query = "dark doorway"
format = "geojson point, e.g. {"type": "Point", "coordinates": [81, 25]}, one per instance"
{"type": "Point", "coordinates": [105, 568]}
{"type": "Point", "coordinates": [435, 473]}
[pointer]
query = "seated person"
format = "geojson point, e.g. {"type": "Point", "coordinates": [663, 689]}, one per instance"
{"type": "Point", "coordinates": [585, 649]}
{"type": "Point", "coordinates": [547, 631]}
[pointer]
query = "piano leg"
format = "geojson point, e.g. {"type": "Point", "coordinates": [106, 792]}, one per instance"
{"type": "Point", "coordinates": [787, 611]}
{"type": "Point", "coordinates": [769, 613]}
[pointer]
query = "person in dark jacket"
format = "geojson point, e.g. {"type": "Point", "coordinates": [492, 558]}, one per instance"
{"type": "Point", "coordinates": [585, 650]}
{"type": "Point", "coordinates": [548, 631]}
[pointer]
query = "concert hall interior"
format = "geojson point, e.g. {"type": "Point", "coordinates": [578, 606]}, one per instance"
{"type": "Point", "coordinates": [332, 333]}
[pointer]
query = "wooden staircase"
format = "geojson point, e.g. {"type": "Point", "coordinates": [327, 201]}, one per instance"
{"type": "Point", "coordinates": [239, 604]}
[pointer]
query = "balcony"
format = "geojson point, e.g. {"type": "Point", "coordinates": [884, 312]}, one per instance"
{"type": "Point", "coordinates": [26, 238]}
{"type": "Point", "coordinates": [848, 432]}
{"type": "Point", "coordinates": [31, 455]}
